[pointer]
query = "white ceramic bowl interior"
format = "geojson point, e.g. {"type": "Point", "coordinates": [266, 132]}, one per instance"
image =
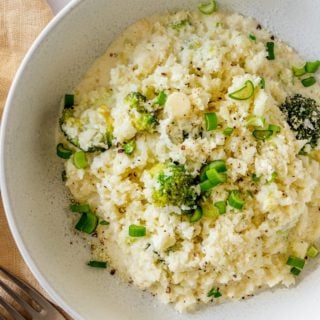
{"type": "Point", "coordinates": [35, 198]}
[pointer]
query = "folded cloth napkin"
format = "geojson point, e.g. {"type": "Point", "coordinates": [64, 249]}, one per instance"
{"type": "Point", "coordinates": [20, 23]}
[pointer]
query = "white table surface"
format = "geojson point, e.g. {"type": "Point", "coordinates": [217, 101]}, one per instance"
{"type": "Point", "coordinates": [57, 5]}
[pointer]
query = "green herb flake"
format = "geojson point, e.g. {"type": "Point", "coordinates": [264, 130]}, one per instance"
{"type": "Point", "coordinates": [214, 292]}
{"type": "Point", "coordinates": [97, 264]}
{"type": "Point", "coordinates": [228, 131]}
{"type": "Point", "coordinates": [104, 222]}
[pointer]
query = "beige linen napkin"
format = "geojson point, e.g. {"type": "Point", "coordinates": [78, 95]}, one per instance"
{"type": "Point", "coordinates": [20, 23]}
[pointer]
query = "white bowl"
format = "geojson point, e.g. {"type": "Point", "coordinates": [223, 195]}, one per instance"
{"type": "Point", "coordinates": [35, 198]}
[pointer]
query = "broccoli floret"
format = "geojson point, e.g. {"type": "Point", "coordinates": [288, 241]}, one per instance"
{"type": "Point", "coordinates": [303, 117]}
{"type": "Point", "coordinates": [174, 186]}
{"type": "Point", "coordinates": [145, 122]}
{"type": "Point", "coordinates": [141, 118]}
{"type": "Point", "coordinates": [136, 100]}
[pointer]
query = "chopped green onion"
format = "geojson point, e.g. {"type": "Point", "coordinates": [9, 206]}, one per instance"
{"type": "Point", "coordinates": [228, 131]}
{"type": "Point", "coordinates": [244, 93]}
{"type": "Point", "coordinates": [161, 98]}
{"type": "Point", "coordinates": [299, 71]}
{"type": "Point", "coordinates": [308, 82]}
{"type": "Point", "coordinates": [129, 147]}
{"type": "Point", "coordinates": [312, 67]}
{"type": "Point", "coordinates": [211, 120]}
{"type": "Point", "coordinates": [222, 206]}
{"type": "Point", "coordinates": [256, 121]}
{"type": "Point", "coordinates": [63, 152]}
{"type": "Point", "coordinates": [104, 222]}
{"type": "Point", "coordinates": [97, 264]}
{"type": "Point", "coordinates": [312, 251]}
{"type": "Point", "coordinates": [262, 134]}
{"type": "Point", "coordinates": [262, 83]}
{"type": "Point", "coordinates": [214, 293]}
{"type": "Point", "coordinates": [270, 50]}
{"type": "Point", "coordinates": [206, 186]}
{"type": "Point", "coordinates": [68, 101]}
{"type": "Point", "coordinates": [252, 37]}
{"type": "Point", "coordinates": [255, 178]}
{"type": "Point", "coordinates": [235, 200]}
{"type": "Point", "coordinates": [208, 8]}
{"type": "Point", "coordinates": [219, 165]}
{"type": "Point", "coordinates": [197, 215]}
{"type": "Point", "coordinates": [137, 231]}
{"type": "Point", "coordinates": [80, 160]}
{"type": "Point", "coordinates": [295, 271]}
{"type": "Point", "coordinates": [216, 177]}
{"type": "Point", "coordinates": [210, 211]}
{"type": "Point", "coordinates": [274, 128]}
{"type": "Point", "coordinates": [273, 178]}
{"type": "Point", "coordinates": [80, 208]}
{"type": "Point", "coordinates": [295, 262]}
{"type": "Point", "coordinates": [87, 223]}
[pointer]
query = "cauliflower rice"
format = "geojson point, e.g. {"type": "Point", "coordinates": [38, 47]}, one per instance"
{"type": "Point", "coordinates": [195, 61]}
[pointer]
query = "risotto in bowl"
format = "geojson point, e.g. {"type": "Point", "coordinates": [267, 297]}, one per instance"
{"type": "Point", "coordinates": [191, 153]}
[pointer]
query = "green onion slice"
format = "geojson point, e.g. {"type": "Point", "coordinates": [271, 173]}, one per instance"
{"type": "Point", "coordinates": [210, 211]}
{"type": "Point", "coordinates": [87, 223]}
{"type": "Point", "coordinates": [299, 71]}
{"type": "Point", "coordinates": [80, 208]}
{"type": "Point", "coordinates": [235, 199]}
{"type": "Point", "coordinates": [80, 160]}
{"type": "Point", "coordinates": [221, 206]}
{"type": "Point", "coordinates": [256, 121]}
{"type": "Point", "coordinates": [274, 128]}
{"type": "Point", "coordinates": [216, 177]}
{"type": "Point", "coordinates": [197, 215]}
{"type": "Point", "coordinates": [137, 231]}
{"type": "Point", "coordinates": [214, 292]}
{"type": "Point", "coordinates": [68, 101]}
{"type": "Point", "coordinates": [295, 271]}
{"type": "Point", "coordinates": [208, 8]}
{"type": "Point", "coordinates": [262, 83]}
{"type": "Point", "coordinates": [312, 251]}
{"type": "Point", "coordinates": [228, 131]}
{"type": "Point", "coordinates": [244, 93]}
{"type": "Point", "coordinates": [206, 186]}
{"type": "Point", "coordinates": [252, 37]}
{"type": "Point", "coordinates": [63, 152]}
{"type": "Point", "coordinates": [161, 98]}
{"type": "Point", "coordinates": [97, 264]}
{"type": "Point", "coordinates": [129, 147]}
{"type": "Point", "coordinates": [312, 67]}
{"type": "Point", "coordinates": [211, 120]}
{"type": "Point", "coordinates": [270, 50]}
{"type": "Point", "coordinates": [295, 262]}
{"type": "Point", "coordinates": [219, 165]}
{"type": "Point", "coordinates": [308, 82]}
{"type": "Point", "coordinates": [262, 134]}
{"type": "Point", "coordinates": [104, 222]}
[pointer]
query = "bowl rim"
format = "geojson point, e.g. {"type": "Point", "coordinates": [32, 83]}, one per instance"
{"type": "Point", "coordinates": [22, 247]}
